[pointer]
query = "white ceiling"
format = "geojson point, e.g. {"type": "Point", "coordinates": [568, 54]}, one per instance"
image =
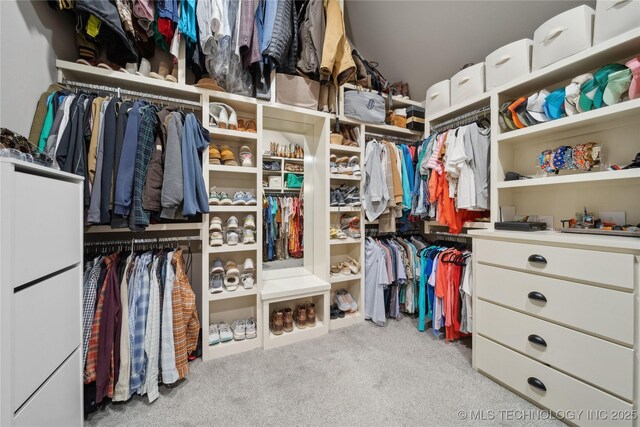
{"type": "Point", "coordinates": [423, 42]}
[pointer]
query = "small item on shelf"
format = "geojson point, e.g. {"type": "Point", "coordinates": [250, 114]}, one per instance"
{"type": "Point", "coordinates": [634, 85]}
{"type": "Point", "coordinates": [231, 276]}
{"type": "Point", "coordinates": [288, 319]}
{"type": "Point", "coordinates": [216, 277]}
{"type": "Point", "coordinates": [271, 166]}
{"type": "Point", "coordinates": [398, 118]}
{"type": "Point", "coordinates": [209, 83]}
{"type": "Point", "coordinates": [216, 239]}
{"type": "Point", "coordinates": [226, 334]}
{"type": "Point", "coordinates": [336, 138]}
{"type": "Point", "coordinates": [246, 157]}
{"type": "Point", "coordinates": [248, 271]}
{"type": "Point", "coordinates": [514, 176]}
{"type": "Point", "coordinates": [275, 182]}
{"type": "Point", "coordinates": [214, 334]}
{"type": "Point", "coordinates": [248, 237]}
{"type": "Point", "coordinates": [239, 328]}
{"type": "Point", "coordinates": [415, 118]}
{"type": "Point", "coordinates": [300, 316]}
{"type": "Point", "coordinates": [345, 301]}
{"type": "Point", "coordinates": [336, 233]}
{"type": "Point", "coordinates": [354, 164]}
{"type": "Point", "coordinates": [232, 238]}
{"type": "Point", "coordinates": [215, 224]}
{"type": "Point", "coordinates": [294, 181]}
{"type": "Point", "coordinates": [520, 226]}
{"type": "Point", "coordinates": [214, 155]}
{"type": "Point", "coordinates": [228, 158]}
{"type": "Point", "coordinates": [311, 314]}
{"type": "Point", "coordinates": [343, 167]}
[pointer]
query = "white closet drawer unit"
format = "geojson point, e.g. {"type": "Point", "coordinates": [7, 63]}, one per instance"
{"type": "Point", "coordinates": [562, 36]}
{"type": "Point", "coordinates": [573, 304]}
{"type": "Point", "coordinates": [558, 346]}
{"type": "Point", "coordinates": [438, 97]}
{"type": "Point", "coordinates": [467, 83]}
{"type": "Point", "coordinates": [590, 266]}
{"type": "Point", "coordinates": [563, 393]}
{"type": "Point", "coordinates": [615, 17]}
{"type": "Point", "coordinates": [508, 63]}
{"type": "Point", "coordinates": [46, 226]}
{"type": "Point", "coordinates": [47, 319]}
{"type": "Point", "coordinates": [59, 401]}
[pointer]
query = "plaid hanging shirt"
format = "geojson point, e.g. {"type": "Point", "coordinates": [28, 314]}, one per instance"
{"type": "Point", "coordinates": [186, 325]}
{"type": "Point", "coordinates": [89, 306]}
{"type": "Point", "coordinates": [146, 138]}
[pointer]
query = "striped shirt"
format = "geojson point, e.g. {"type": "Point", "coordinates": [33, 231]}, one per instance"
{"type": "Point", "coordinates": [186, 325]}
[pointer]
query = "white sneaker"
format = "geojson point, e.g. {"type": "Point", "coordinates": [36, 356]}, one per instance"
{"type": "Point", "coordinates": [215, 224]}
{"type": "Point", "coordinates": [247, 266]}
{"type": "Point", "coordinates": [354, 163]}
{"type": "Point", "coordinates": [232, 238]}
{"type": "Point", "coordinates": [225, 332]}
{"type": "Point", "coordinates": [247, 280]}
{"type": "Point", "coordinates": [214, 334]}
{"type": "Point", "coordinates": [248, 237]}
{"type": "Point", "coordinates": [216, 239]}
{"type": "Point", "coordinates": [249, 222]}
{"type": "Point", "coordinates": [250, 328]}
{"type": "Point", "coordinates": [239, 328]}
{"type": "Point", "coordinates": [232, 223]}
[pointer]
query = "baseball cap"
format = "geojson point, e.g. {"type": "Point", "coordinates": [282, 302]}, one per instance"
{"type": "Point", "coordinates": [618, 84]}
{"type": "Point", "coordinates": [572, 93]}
{"type": "Point", "coordinates": [634, 87]}
{"type": "Point", "coordinates": [554, 104]}
{"type": "Point", "coordinates": [535, 106]}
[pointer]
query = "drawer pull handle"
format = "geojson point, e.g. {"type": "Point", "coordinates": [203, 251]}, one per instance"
{"type": "Point", "coordinates": [537, 259]}
{"type": "Point", "coordinates": [535, 295]}
{"type": "Point", "coordinates": [537, 339]}
{"type": "Point", "coordinates": [534, 382]}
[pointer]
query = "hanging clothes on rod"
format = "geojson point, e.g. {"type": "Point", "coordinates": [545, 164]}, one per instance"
{"type": "Point", "coordinates": [141, 163]}
{"type": "Point", "coordinates": [283, 227]}
{"type": "Point", "coordinates": [451, 183]}
{"type": "Point", "coordinates": [140, 321]}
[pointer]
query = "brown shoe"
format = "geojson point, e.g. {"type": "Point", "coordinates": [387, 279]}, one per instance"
{"type": "Point", "coordinates": [405, 90]}
{"type": "Point", "coordinates": [277, 322]}
{"type": "Point", "coordinates": [345, 133]}
{"type": "Point", "coordinates": [332, 98]}
{"type": "Point", "coordinates": [301, 317]}
{"type": "Point", "coordinates": [288, 319]}
{"type": "Point", "coordinates": [396, 88]}
{"type": "Point", "coordinates": [311, 314]}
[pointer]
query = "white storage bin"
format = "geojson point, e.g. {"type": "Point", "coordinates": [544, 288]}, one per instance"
{"type": "Point", "coordinates": [615, 17]}
{"type": "Point", "coordinates": [438, 97]}
{"type": "Point", "coordinates": [467, 83]}
{"type": "Point", "coordinates": [508, 63]}
{"type": "Point", "coordinates": [562, 36]}
{"type": "Point", "coordinates": [275, 182]}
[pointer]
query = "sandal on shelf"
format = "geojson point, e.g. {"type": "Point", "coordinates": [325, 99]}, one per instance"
{"type": "Point", "coordinates": [241, 126]}
{"type": "Point", "coordinates": [214, 155]}
{"type": "Point", "coordinates": [335, 269]}
{"type": "Point", "coordinates": [336, 233]}
{"type": "Point", "coordinates": [344, 268]}
{"type": "Point", "coordinates": [354, 227]}
{"type": "Point", "coordinates": [353, 265]}
{"type": "Point", "coordinates": [228, 159]}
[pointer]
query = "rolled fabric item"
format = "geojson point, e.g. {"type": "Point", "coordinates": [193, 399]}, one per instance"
{"type": "Point", "coordinates": [572, 93]}
{"type": "Point", "coordinates": [634, 86]}
{"type": "Point", "coordinates": [514, 114]}
{"type": "Point", "coordinates": [602, 79]}
{"type": "Point", "coordinates": [535, 106]}
{"type": "Point", "coordinates": [554, 104]}
{"type": "Point", "coordinates": [618, 84]}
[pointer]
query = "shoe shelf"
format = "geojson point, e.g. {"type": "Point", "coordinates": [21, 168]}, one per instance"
{"type": "Point", "coordinates": [232, 169]}
{"type": "Point", "coordinates": [575, 178]}
{"type": "Point", "coordinates": [235, 248]}
{"type": "Point", "coordinates": [340, 278]}
{"type": "Point", "coordinates": [232, 135]}
{"type": "Point", "coordinates": [240, 292]}
{"type": "Point", "coordinates": [296, 331]}
{"type": "Point", "coordinates": [233, 208]}
{"type": "Point", "coordinates": [345, 209]}
{"type": "Point", "coordinates": [229, 348]}
{"type": "Point", "coordinates": [344, 149]}
{"type": "Point", "coordinates": [101, 229]}
{"type": "Point", "coordinates": [468, 224]}
{"type": "Point", "coordinates": [287, 159]}
{"type": "Point", "coordinates": [347, 241]}
{"type": "Point", "coordinates": [344, 177]}
{"type": "Point", "coordinates": [577, 124]}
{"type": "Point", "coordinates": [348, 320]}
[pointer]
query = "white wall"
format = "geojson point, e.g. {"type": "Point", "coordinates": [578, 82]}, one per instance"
{"type": "Point", "coordinates": [32, 35]}
{"type": "Point", "coordinates": [424, 42]}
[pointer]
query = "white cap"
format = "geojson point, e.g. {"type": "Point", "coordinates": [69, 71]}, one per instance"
{"type": "Point", "coordinates": [535, 106]}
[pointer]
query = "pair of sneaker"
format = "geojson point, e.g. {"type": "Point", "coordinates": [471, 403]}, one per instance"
{"type": "Point", "coordinates": [228, 275]}
{"type": "Point", "coordinates": [217, 199]}
{"type": "Point", "coordinates": [345, 165]}
{"type": "Point", "coordinates": [233, 231]}
{"type": "Point", "coordinates": [344, 196]}
{"type": "Point", "coordinates": [345, 301]}
{"type": "Point", "coordinates": [240, 329]}
{"type": "Point", "coordinates": [249, 223]}
{"type": "Point", "coordinates": [245, 198]}
{"type": "Point", "coordinates": [219, 332]}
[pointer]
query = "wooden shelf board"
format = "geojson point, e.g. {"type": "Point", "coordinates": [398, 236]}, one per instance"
{"type": "Point", "coordinates": [348, 320]}
{"type": "Point", "coordinates": [576, 178]}
{"type": "Point", "coordinates": [347, 241]}
{"type": "Point", "coordinates": [293, 287]}
{"type": "Point", "coordinates": [232, 208]}
{"type": "Point", "coordinates": [233, 135]}
{"type": "Point", "coordinates": [232, 347]}
{"type": "Point", "coordinates": [344, 177]}
{"type": "Point", "coordinates": [344, 149]}
{"type": "Point", "coordinates": [340, 278]}
{"type": "Point", "coordinates": [240, 292]}
{"type": "Point", "coordinates": [232, 169]}
{"type": "Point", "coordinates": [99, 229]}
{"type": "Point", "coordinates": [297, 331]}
{"type": "Point", "coordinates": [236, 248]}
{"type": "Point", "coordinates": [345, 209]}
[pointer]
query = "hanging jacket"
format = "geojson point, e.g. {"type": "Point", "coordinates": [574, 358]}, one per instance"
{"type": "Point", "coordinates": [153, 185]}
{"type": "Point", "coordinates": [186, 325]}
{"type": "Point", "coordinates": [312, 38]}
{"type": "Point", "coordinates": [172, 186]}
{"type": "Point", "coordinates": [119, 48]}
{"type": "Point", "coordinates": [284, 37]}
{"type": "Point", "coordinates": [195, 139]}
{"type": "Point", "coordinates": [337, 61]}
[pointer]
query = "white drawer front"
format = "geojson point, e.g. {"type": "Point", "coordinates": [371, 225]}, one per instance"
{"type": "Point", "coordinates": [615, 17]}
{"type": "Point", "coordinates": [47, 226]}
{"type": "Point", "coordinates": [562, 36]}
{"type": "Point", "coordinates": [589, 308]}
{"type": "Point", "coordinates": [560, 347]}
{"type": "Point", "coordinates": [592, 266]}
{"type": "Point", "coordinates": [59, 401]}
{"type": "Point", "coordinates": [48, 319]}
{"type": "Point", "coordinates": [467, 83]}
{"type": "Point", "coordinates": [438, 97]}
{"type": "Point", "coordinates": [563, 393]}
{"type": "Point", "coordinates": [508, 63]}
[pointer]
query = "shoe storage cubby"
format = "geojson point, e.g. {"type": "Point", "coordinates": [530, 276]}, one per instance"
{"type": "Point", "coordinates": [341, 259]}
{"type": "Point", "coordinates": [355, 288]}
{"type": "Point", "coordinates": [230, 310]}
{"type": "Point", "coordinates": [321, 301]}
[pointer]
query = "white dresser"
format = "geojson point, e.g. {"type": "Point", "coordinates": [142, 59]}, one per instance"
{"type": "Point", "coordinates": [40, 296]}
{"type": "Point", "coordinates": [557, 320]}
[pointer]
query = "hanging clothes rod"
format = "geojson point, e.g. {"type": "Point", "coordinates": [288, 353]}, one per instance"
{"type": "Point", "coordinates": [119, 92]}
{"type": "Point", "coordinates": [142, 241]}
{"type": "Point", "coordinates": [462, 120]}
{"type": "Point", "coordinates": [442, 235]}
{"type": "Point", "coordinates": [378, 136]}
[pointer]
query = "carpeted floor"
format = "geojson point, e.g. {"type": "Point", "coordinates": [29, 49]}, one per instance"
{"type": "Point", "coordinates": [363, 375]}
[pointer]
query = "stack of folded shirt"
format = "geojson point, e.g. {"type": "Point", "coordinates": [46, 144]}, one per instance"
{"type": "Point", "coordinates": [586, 92]}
